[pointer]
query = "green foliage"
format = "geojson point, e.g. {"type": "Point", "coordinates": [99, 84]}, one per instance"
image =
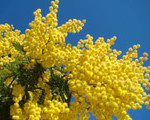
{"type": "Point", "coordinates": [14, 67]}
{"type": "Point", "coordinates": [6, 91]}
{"type": "Point", "coordinates": [3, 75]}
{"type": "Point", "coordinates": [18, 47]}
{"type": "Point", "coordinates": [5, 100]}
{"type": "Point", "coordinates": [59, 85]}
{"type": "Point", "coordinates": [29, 79]}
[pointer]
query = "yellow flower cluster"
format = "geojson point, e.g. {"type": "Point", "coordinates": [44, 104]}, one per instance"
{"type": "Point", "coordinates": [50, 110]}
{"type": "Point", "coordinates": [46, 39]}
{"type": "Point", "coordinates": [8, 81]}
{"type": "Point", "coordinates": [100, 82]}
{"type": "Point", "coordinates": [110, 86]}
{"type": "Point", "coordinates": [7, 36]}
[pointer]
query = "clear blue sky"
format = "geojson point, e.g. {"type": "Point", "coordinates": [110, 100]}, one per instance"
{"type": "Point", "coordinates": [129, 20]}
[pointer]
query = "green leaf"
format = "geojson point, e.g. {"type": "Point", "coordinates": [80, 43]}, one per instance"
{"type": "Point", "coordinates": [21, 60]}
{"type": "Point", "coordinates": [3, 74]}
{"type": "Point", "coordinates": [18, 47]}
{"type": "Point", "coordinates": [13, 66]}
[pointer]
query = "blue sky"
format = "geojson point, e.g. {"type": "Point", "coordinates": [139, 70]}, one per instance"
{"type": "Point", "coordinates": [129, 20]}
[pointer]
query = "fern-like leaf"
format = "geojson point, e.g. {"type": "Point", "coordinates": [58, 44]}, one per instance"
{"type": "Point", "coordinates": [18, 47]}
